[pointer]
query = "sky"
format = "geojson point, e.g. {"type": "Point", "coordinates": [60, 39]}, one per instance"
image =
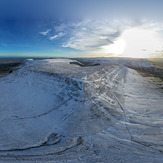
{"type": "Point", "coordinates": [81, 28]}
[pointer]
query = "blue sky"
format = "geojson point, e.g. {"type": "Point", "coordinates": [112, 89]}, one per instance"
{"type": "Point", "coordinates": [81, 28]}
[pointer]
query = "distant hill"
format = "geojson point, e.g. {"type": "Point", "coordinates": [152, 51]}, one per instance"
{"type": "Point", "coordinates": [157, 62]}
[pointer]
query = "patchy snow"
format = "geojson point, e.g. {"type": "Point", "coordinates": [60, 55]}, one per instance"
{"type": "Point", "coordinates": [52, 110]}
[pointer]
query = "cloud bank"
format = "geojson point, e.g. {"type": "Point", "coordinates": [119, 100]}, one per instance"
{"type": "Point", "coordinates": [91, 36]}
{"type": "Point", "coordinates": [103, 36]}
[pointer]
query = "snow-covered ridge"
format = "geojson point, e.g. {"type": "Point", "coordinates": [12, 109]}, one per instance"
{"type": "Point", "coordinates": [55, 110]}
{"type": "Point", "coordinates": [48, 61]}
{"type": "Point", "coordinates": [129, 62]}
{"type": "Point", "coordinates": [31, 94]}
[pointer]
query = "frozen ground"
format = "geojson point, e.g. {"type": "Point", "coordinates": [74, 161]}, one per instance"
{"type": "Point", "coordinates": [57, 111]}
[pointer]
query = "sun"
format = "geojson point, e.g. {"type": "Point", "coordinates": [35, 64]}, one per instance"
{"type": "Point", "coordinates": [116, 48]}
{"type": "Point", "coordinates": [141, 43]}
{"type": "Point", "coordinates": [136, 43]}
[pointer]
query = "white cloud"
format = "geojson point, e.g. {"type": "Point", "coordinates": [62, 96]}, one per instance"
{"type": "Point", "coordinates": [90, 35]}
{"type": "Point", "coordinates": [103, 37]}
{"type": "Point", "coordinates": [46, 32]}
{"type": "Point", "coordinates": [57, 36]}
{"type": "Point", "coordinates": [108, 37]}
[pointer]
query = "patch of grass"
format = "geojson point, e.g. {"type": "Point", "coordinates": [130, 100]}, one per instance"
{"type": "Point", "coordinates": [158, 62]}
{"type": "Point", "coordinates": [151, 71]}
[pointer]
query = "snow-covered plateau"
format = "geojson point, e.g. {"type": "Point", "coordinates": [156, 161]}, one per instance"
{"type": "Point", "coordinates": [61, 110]}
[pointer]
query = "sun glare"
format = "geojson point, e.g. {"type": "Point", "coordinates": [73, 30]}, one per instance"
{"type": "Point", "coordinates": [116, 48]}
{"type": "Point", "coordinates": [136, 43]}
{"type": "Point", "coordinates": [141, 43]}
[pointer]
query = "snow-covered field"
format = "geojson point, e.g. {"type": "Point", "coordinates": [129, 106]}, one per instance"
{"type": "Point", "coordinates": [54, 111]}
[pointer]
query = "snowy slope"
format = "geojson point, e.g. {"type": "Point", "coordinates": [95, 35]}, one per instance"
{"type": "Point", "coordinates": [55, 110]}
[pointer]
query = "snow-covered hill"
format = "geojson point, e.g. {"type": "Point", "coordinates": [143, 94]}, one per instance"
{"type": "Point", "coordinates": [57, 110]}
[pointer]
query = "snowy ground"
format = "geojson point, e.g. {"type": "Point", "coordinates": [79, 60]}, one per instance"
{"type": "Point", "coordinates": [56, 111]}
